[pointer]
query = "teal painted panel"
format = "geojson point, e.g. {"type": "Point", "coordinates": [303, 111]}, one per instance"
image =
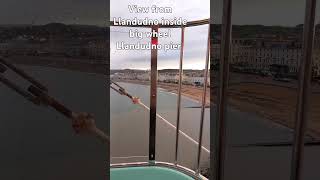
{"type": "Point", "coordinates": [147, 173]}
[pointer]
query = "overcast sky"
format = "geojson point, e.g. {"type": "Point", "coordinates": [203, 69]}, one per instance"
{"type": "Point", "coordinates": [195, 38]}
{"type": "Point", "coordinates": [269, 12]}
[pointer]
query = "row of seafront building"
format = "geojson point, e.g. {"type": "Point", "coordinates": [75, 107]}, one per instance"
{"type": "Point", "coordinates": [81, 42]}
{"type": "Point", "coordinates": [88, 49]}
{"type": "Point", "coordinates": [260, 54]}
{"type": "Point", "coordinates": [190, 77]}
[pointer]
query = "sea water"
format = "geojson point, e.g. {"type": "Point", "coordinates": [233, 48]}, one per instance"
{"type": "Point", "coordinates": [39, 143]}
{"type": "Point", "coordinates": [130, 127]}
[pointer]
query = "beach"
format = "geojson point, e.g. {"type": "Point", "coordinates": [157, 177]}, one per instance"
{"type": "Point", "coordinates": [275, 103]}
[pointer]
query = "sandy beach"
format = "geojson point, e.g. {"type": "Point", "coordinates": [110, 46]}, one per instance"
{"type": "Point", "coordinates": [277, 104]}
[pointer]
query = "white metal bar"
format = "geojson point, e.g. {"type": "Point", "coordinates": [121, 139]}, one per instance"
{"type": "Point", "coordinates": [179, 97]}
{"type": "Point", "coordinates": [303, 91]}
{"type": "Point", "coordinates": [220, 146]}
{"type": "Point", "coordinates": [204, 95]}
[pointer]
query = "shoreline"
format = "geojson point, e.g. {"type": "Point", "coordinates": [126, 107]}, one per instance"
{"type": "Point", "coordinates": [192, 92]}
{"type": "Point", "coordinates": [277, 107]}
{"type": "Point", "coordinates": [60, 63]}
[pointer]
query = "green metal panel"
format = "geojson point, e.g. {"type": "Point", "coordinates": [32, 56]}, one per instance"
{"type": "Point", "coordinates": [147, 173]}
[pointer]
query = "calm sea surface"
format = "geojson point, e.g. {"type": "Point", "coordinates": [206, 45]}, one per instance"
{"type": "Point", "coordinates": [130, 127]}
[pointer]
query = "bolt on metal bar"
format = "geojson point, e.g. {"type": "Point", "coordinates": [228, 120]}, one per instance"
{"type": "Point", "coordinates": [220, 147]}
{"type": "Point", "coordinates": [120, 89]}
{"type": "Point", "coordinates": [17, 89]}
{"type": "Point", "coordinates": [2, 68]}
{"type": "Point", "coordinates": [204, 95]}
{"type": "Point", "coordinates": [179, 96]}
{"type": "Point", "coordinates": [303, 91]}
{"type": "Point", "coordinates": [153, 98]}
{"type": "Point", "coordinates": [24, 75]}
{"type": "Point", "coordinates": [14, 86]}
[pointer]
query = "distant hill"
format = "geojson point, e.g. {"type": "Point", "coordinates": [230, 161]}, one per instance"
{"type": "Point", "coordinates": [52, 29]}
